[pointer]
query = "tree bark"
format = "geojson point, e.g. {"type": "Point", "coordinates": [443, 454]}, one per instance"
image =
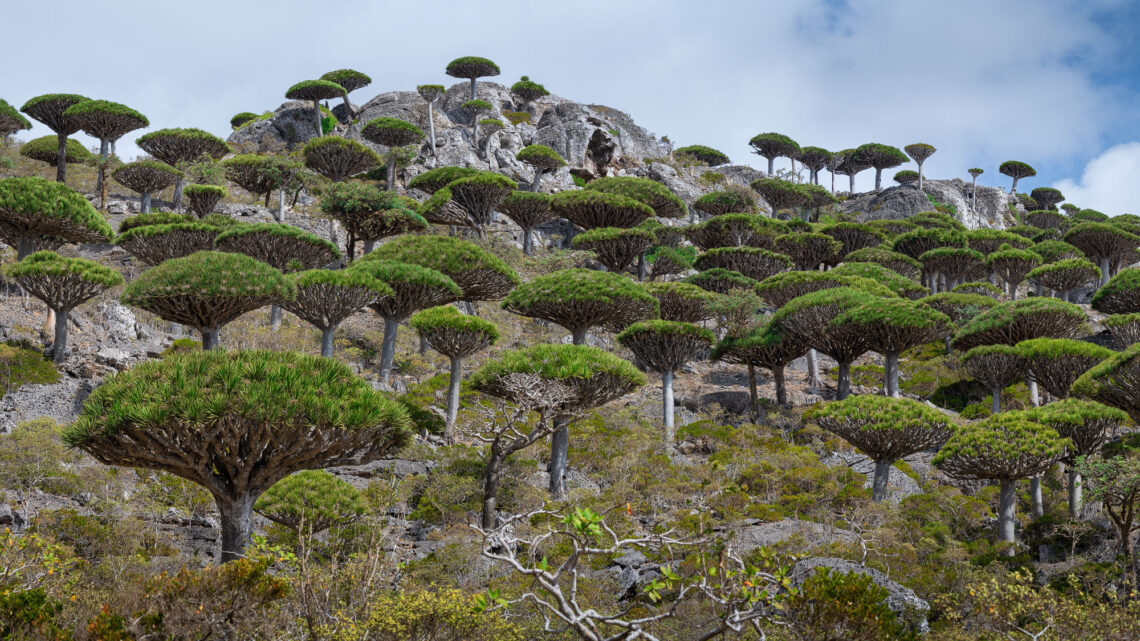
{"type": "Point", "coordinates": [390, 176]}
{"type": "Point", "coordinates": [781, 387]}
{"type": "Point", "coordinates": [236, 516]}
{"type": "Point", "coordinates": [642, 271]}
{"type": "Point", "coordinates": [317, 118]}
{"type": "Point", "coordinates": [1013, 291]}
{"type": "Point", "coordinates": [878, 178]}
{"type": "Point", "coordinates": [453, 395]}
{"type": "Point", "coordinates": [275, 317]}
{"type": "Point", "coordinates": [1104, 269]}
{"type": "Point", "coordinates": [919, 176]}
{"type": "Point", "coordinates": [1076, 492]}
{"type": "Point", "coordinates": [144, 203]}
{"type": "Point", "coordinates": [579, 336]}
{"type": "Point", "coordinates": [104, 149]}
{"type": "Point", "coordinates": [974, 193]}
{"type": "Point", "coordinates": [209, 338]}
{"type": "Point", "coordinates": [1031, 382]}
{"type": "Point", "coordinates": [891, 371]}
{"type": "Point", "coordinates": [347, 109]}
{"type": "Point", "coordinates": [843, 384]}
{"type": "Point", "coordinates": [1013, 188]}
{"type": "Point", "coordinates": [882, 477]}
{"type": "Point", "coordinates": [528, 242]}
{"type": "Point", "coordinates": [772, 168]}
{"type": "Point", "coordinates": [851, 180]}
{"type": "Point", "coordinates": [1007, 514]}
{"type": "Point", "coordinates": [537, 179]}
{"type": "Point", "coordinates": [327, 341]}
{"type": "Point", "coordinates": [61, 158]}
{"type": "Point", "coordinates": [25, 247]}
{"type": "Point", "coordinates": [559, 445]}
{"type": "Point", "coordinates": [1035, 494]}
{"type": "Point", "coordinates": [179, 185]}
{"type": "Point", "coordinates": [431, 128]}
{"type": "Point", "coordinates": [492, 475]}
{"type": "Point", "coordinates": [59, 344]}
{"type": "Point", "coordinates": [995, 405]}
{"type": "Point", "coordinates": [472, 88]}
{"type": "Point", "coordinates": [388, 352]}
{"type": "Point", "coordinates": [812, 361]}
{"type": "Point", "coordinates": [280, 215]}
{"type": "Point", "coordinates": [667, 406]}
{"type": "Point", "coordinates": [753, 396]}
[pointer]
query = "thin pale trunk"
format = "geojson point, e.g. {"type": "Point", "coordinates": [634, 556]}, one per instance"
{"type": "Point", "coordinates": [851, 179]}
{"type": "Point", "coordinates": [347, 109]}
{"type": "Point", "coordinates": [642, 269]}
{"type": "Point", "coordinates": [390, 176]}
{"type": "Point", "coordinates": [104, 149]}
{"type": "Point", "coordinates": [1065, 296]}
{"type": "Point", "coordinates": [178, 187]}
{"type": "Point", "coordinates": [1013, 188]}
{"type": "Point", "coordinates": [843, 384]}
{"type": "Point", "coordinates": [974, 193]}
{"type": "Point", "coordinates": [1076, 492]}
{"type": "Point", "coordinates": [144, 203]}
{"type": "Point", "coordinates": [492, 475]}
{"type": "Point", "coordinates": [1013, 291]}
{"type": "Point", "coordinates": [772, 166]}
{"type": "Point", "coordinates": [1104, 272]}
{"type": "Point", "coordinates": [209, 338]}
{"type": "Point", "coordinates": [1039, 288]}
{"type": "Point", "coordinates": [431, 128]}
{"type": "Point", "coordinates": [919, 176]}
{"type": "Point", "coordinates": [753, 395]}
{"type": "Point", "coordinates": [327, 341]}
{"type": "Point", "coordinates": [1035, 494]}
{"type": "Point", "coordinates": [280, 215]}
{"type": "Point", "coordinates": [317, 118]}
{"type": "Point", "coordinates": [1031, 382]}
{"type": "Point", "coordinates": [781, 387]}
{"type": "Point", "coordinates": [559, 446]}
{"type": "Point", "coordinates": [473, 89]}
{"type": "Point", "coordinates": [528, 247]}
{"type": "Point", "coordinates": [61, 158]}
{"type": "Point", "coordinates": [59, 345]}
{"type": "Point", "coordinates": [667, 406]}
{"type": "Point", "coordinates": [453, 395]}
{"type": "Point", "coordinates": [275, 317]}
{"type": "Point", "coordinates": [832, 181]}
{"type": "Point", "coordinates": [891, 372]}
{"type": "Point", "coordinates": [423, 345]}
{"type": "Point", "coordinates": [1007, 514]}
{"type": "Point", "coordinates": [236, 516]}
{"type": "Point", "coordinates": [948, 338]}
{"type": "Point", "coordinates": [813, 368]}
{"type": "Point", "coordinates": [537, 179]}
{"type": "Point", "coordinates": [882, 477]}
{"type": "Point", "coordinates": [995, 404]}
{"type": "Point", "coordinates": [388, 351]}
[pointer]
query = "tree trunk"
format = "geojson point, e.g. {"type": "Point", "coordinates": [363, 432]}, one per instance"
{"type": "Point", "coordinates": [59, 345]}
{"type": "Point", "coordinates": [667, 406]}
{"type": "Point", "coordinates": [209, 338]}
{"type": "Point", "coordinates": [995, 405]}
{"type": "Point", "coordinates": [1013, 291]}
{"type": "Point", "coordinates": [327, 341]}
{"type": "Point", "coordinates": [851, 180]}
{"type": "Point", "coordinates": [974, 193]}
{"type": "Point", "coordinates": [423, 345]}
{"type": "Point", "coordinates": [391, 325]}
{"type": "Point", "coordinates": [1007, 514]}
{"type": "Point", "coordinates": [1104, 272]}
{"type": "Point", "coordinates": [812, 362]}
{"type": "Point", "coordinates": [579, 336]}
{"type": "Point", "coordinates": [61, 158]}
{"type": "Point", "coordinates": [882, 477]}
{"type": "Point", "coordinates": [1065, 296]}
{"type": "Point", "coordinates": [1035, 494]}
{"type": "Point", "coordinates": [1013, 188]}
{"type": "Point", "coordinates": [390, 176]}
{"type": "Point", "coordinates": [275, 317]}
{"type": "Point", "coordinates": [369, 245]}
{"type": "Point", "coordinates": [236, 516]}
{"type": "Point", "coordinates": [453, 395]}
{"type": "Point", "coordinates": [317, 118]}
{"type": "Point", "coordinates": [919, 176]}
{"type": "Point", "coordinates": [1031, 382]}
{"type": "Point", "coordinates": [492, 474]}
{"type": "Point", "coordinates": [832, 181]}
{"type": "Point", "coordinates": [753, 396]}
{"type": "Point", "coordinates": [949, 337]}
{"type": "Point", "coordinates": [1076, 493]}
{"type": "Point", "coordinates": [843, 384]}
{"type": "Point", "coordinates": [104, 149]}
{"type": "Point", "coordinates": [347, 109]}
{"type": "Point", "coordinates": [559, 445]}
{"type": "Point", "coordinates": [528, 242]}
{"type": "Point", "coordinates": [772, 167]}
{"type": "Point", "coordinates": [25, 247]}
{"type": "Point", "coordinates": [891, 371]}
{"type": "Point", "coordinates": [642, 271]}
{"type": "Point", "coordinates": [878, 178]}
{"type": "Point", "coordinates": [144, 203]}
{"type": "Point", "coordinates": [537, 179]}
{"type": "Point", "coordinates": [472, 88]}
{"type": "Point", "coordinates": [280, 215]}
{"type": "Point", "coordinates": [431, 128]}
{"type": "Point", "coordinates": [781, 388]}
{"type": "Point", "coordinates": [178, 187]}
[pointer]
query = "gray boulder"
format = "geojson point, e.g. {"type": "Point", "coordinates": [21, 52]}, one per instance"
{"type": "Point", "coordinates": [900, 599]}
{"type": "Point", "coordinates": [894, 203]}
{"type": "Point", "coordinates": [752, 535]}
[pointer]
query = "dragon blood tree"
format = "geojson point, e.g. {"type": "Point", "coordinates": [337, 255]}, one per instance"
{"type": "Point", "coordinates": [721, 281]}
{"type": "Point", "coordinates": [809, 250]}
{"type": "Point", "coordinates": [778, 290]}
{"type": "Point", "coordinates": [436, 179]}
{"type": "Point", "coordinates": [391, 132]}
{"type": "Point", "coordinates": [648, 192]}
{"type": "Point", "coordinates": [1016, 170]}
{"type": "Point", "coordinates": [589, 209]}
{"type": "Point", "coordinates": [978, 287]}
{"type": "Point", "coordinates": [206, 290]}
{"type": "Point", "coordinates": [1102, 243]}
{"type": "Point", "coordinates": [1088, 425]}
{"type": "Point", "coordinates": [702, 154]}
{"type": "Point", "coordinates": [62, 284]}
{"type": "Point", "coordinates": [771, 146]}
{"type": "Point", "coordinates": [1005, 447]}
{"type": "Point", "coordinates": [177, 146]}
{"type": "Point", "coordinates": [581, 299]}
{"type": "Point", "coordinates": [37, 213]}
{"type": "Point", "coordinates": [1011, 322]}
{"type": "Point", "coordinates": [203, 198]}
{"type": "Point", "coordinates": [1125, 329]}
{"type": "Point", "coordinates": [542, 159]}
{"type": "Point", "coordinates": [266, 415]}
{"type": "Point", "coordinates": [475, 109]}
{"type": "Point", "coordinates": [311, 501]}
{"type": "Point", "coordinates": [108, 121]}
{"type": "Point", "coordinates": [762, 347]}
{"type": "Point", "coordinates": [989, 241]}
{"type": "Point", "coordinates": [901, 264]}
{"type": "Point", "coordinates": [369, 214]}
{"type": "Point", "coordinates": [315, 91]}
{"type": "Point", "coordinates": [11, 121]}
{"type": "Point", "coordinates": [717, 203]}
{"type": "Point", "coordinates": [960, 308]}
{"type": "Point", "coordinates": [413, 288]}
{"type": "Point", "coordinates": [281, 246]}
{"type": "Point", "coordinates": [527, 91]}
{"type": "Point", "coordinates": [157, 243]}
{"type": "Point", "coordinates": [1012, 266]}
{"type": "Point", "coordinates": [850, 164]}
{"type": "Point", "coordinates": [338, 158]}
{"type": "Point", "coordinates": [44, 149]}
{"type": "Point", "coordinates": [350, 80]}
{"type": "Point", "coordinates": [259, 175]}
{"type": "Point", "coordinates": [880, 157]}
{"type": "Point", "coordinates": [1045, 219]}
{"type": "Point", "coordinates": [682, 302]}
{"type": "Point", "coordinates": [907, 177]}
{"type": "Point", "coordinates": [854, 236]}
{"type": "Point", "coordinates": [781, 194]}
{"type": "Point", "coordinates": [814, 158]}
{"type": "Point", "coordinates": [469, 201]}
{"type": "Point", "coordinates": [471, 68]}
{"type": "Point", "coordinates": [455, 335]}
{"type": "Point", "coordinates": [1120, 295]}
{"type": "Point", "coordinates": [1057, 363]}
{"type": "Point", "coordinates": [885, 429]}
{"type": "Point", "coordinates": [974, 173]}
{"type": "Point", "coordinates": [665, 347]}
{"type": "Point", "coordinates": [735, 230]}
{"type": "Point", "coordinates": [753, 262]}
{"type": "Point", "coordinates": [919, 152]}
{"type": "Point", "coordinates": [431, 93]}
{"type": "Point", "coordinates": [955, 264]}
{"type": "Point", "coordinates": [559, 382]}
{"type": "Point", "coordinates": [809, 319]}
{"type": "Point", "coordinates": [668, 261]}
{"type": "Point", "coordinates": [50, 110]}
{"type": "Point", "coordinates": [146, 177]}
{"type": "Point", "coordinates": [891, 326]}
{"type": "Point", "coordinates": [615, 248]}
{"type": "Point", "coordinates": [528, 210]}
{"type": "Point", "coordinates": [898, 285]}
{"type": "Point", "coordinates": [996, 367]}
{"type": "Point", "coordinates": [325, 298]}
{"type": "Point", "coordinates": [1114, 382]}
{"type": "Point", "coordinates": [480, 274]}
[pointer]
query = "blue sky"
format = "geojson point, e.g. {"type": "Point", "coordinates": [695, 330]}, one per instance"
{"type": "Point", "coordinates": [1047, 82]}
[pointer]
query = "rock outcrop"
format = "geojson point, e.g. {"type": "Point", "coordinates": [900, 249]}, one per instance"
{"type": "Point", "coordinates": [895, 203]}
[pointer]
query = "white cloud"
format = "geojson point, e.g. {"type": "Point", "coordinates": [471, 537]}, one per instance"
{"type": "Point", "coordinates": [1108, 183]}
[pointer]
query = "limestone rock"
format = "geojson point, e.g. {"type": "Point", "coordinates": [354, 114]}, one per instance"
{"type": "Point", "coordinates": [899, 485]}
{"type": "Point", "coordinates": [755, 534]}
{"type": "Point", "coordinates": [895, 203]}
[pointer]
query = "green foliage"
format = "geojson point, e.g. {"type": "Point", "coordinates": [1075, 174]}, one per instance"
{"type": "Point", "coordinates": [663, 328]}
{"type": "Point", "coordinates": [516, 117]}
{"type": "Point", "coordinates": [1089, 215]}
{"type": "Point", "coordinates": [577, 366]}
{"type": "Point", "coordinates": [702, 154]}
{"type": "Point", "coordinates": [146, 176]}
{"type": "Point", "coordinates": [349, 79]}
{"type": "Point", "coordinates": [980, 288]}
{"type": "Point", "coordinates": [1017, 169]}
{"type": "Point", "coordinates": [338, 158]}
{"type": "Point", "coordinates": [46, 149]}
{"type": "Point", "coordinates": [471, 67]}
{"type": "Point", "coordinates": [781, 194]}
{"type": "Point", "coordinates": [243, 118]}
{"type": "Point", "coordinates": [560, 292]}
{"type": "Point", "coordinates": [890, 279]}
{"type": "Point", "coordinates": [207, 275]}
{"type": "Point", "coordinates": [880, 156]}
{"type": "Point", "coordinates": [49, 108]}
{"type": "Point", "coordinates": [175, 146]}
{"type": "Point", "coordinates": [391, 132]}
{"type": "Point", "coordinates": [21, 366]}
{"type": "Point", "coordinates": [724, 202]}
{"type": "Point", "coordinates": [47, 207]}
{"type": "Point", "coordinates": [1011, 322]}
{"type": "Point", "coordinates": [778, 289]}
{"type": "Point", "coordinates": [284, 246]}
{"type": "Point", "coordinates": [720, 281]}
{"type": "Point", "coordinates": [774, 145]}
{"type": "Point", "coordinates": [433, 180]}
{"type": "Point", "coordinates": [153, 218]}
{"type": "Point", "coordinates": [426, 615]}
{"type": "Point", "coordinates": [1004, 446]}
{"type": "Point", "coordinates": [1121, 295]}
{"type": "Point", "coordinates": [105, 119]}
{"type": "Point", "coordinates": [481, 274]}
{"type": "Point", "coordinates": [528, 90]}
{"type": "Point", "coordinates": [1087, 423]}
{"type": "Point", "coordinates": [311, 501]}
{"type": "Point", "coordinates": [906, 176]}
{"type": "Point", "coordinates": [884, 428]}
{"type": "Point", "coordinates": [10, 120]}
{"type": "Point", "coordinates": [643, 190]}
{"type": "Point", "coordinates": [1113, 382]}
{"type": "Point", "coordinates": [314, 90]}
{"type": "Point", "coordinates": [540, 156]}
{"type": "Point", "coordinates": [843, 606]}
{"type": "Point", "coordinates": [48, 264]}
{"type": "Point", "coordinates": [901, 263]}
{"type": "Point", "coordinates": [880, 316]}
{"type": "Point", "coordinates": [453, 333]}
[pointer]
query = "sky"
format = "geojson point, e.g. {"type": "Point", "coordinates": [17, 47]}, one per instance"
{"type": "Point", "coordinates": [1048, 82]}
